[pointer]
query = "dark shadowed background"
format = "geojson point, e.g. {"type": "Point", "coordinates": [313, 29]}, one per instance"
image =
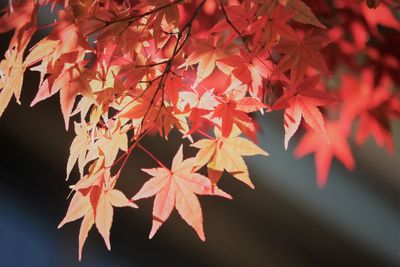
{"type": "Point", "coordinates": [285, 221]}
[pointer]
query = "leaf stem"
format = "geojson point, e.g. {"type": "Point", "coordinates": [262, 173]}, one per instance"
{"type": "Point", "coordinates": [205, 134]}
{"type": "Point", "coordinates": [152, 156]}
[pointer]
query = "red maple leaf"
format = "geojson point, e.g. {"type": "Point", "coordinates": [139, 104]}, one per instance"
{"type": "Point", "coordinates": [338, 147]}
{"type": "Point", "coordinates": [242, 16]}
{"type": "Point", "coordinates": [250, 69]}
{"type": "Point", "coordinates": [374, 107]}
{"type": "Point", "coordinates": [301, 101]}
{"type": "Point", "coordinates": [301, 53]}
{"type": "Point", "coordinates": [271, 27]}
{"type": "Point", "coordinates": [234, 108]}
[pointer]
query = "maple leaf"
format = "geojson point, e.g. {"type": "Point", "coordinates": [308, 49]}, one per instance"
{"type": "Point", "coordinates": [197, 118]}
{"type": "Point", "coordinates": [233, 109]}
{"type": "Point", "coordinates": [206, 52]}
{"type": "Point", "coordinates": [65, 39]}
{"type": "Point", "coordinates": [170, 13]}
{"type": "Point", "coordinates": [300, 54]}
{"type": "Point", "coordinates": [338, 147]}
{"type": "Point", "coordinates": [249, 69]}
{"type": "Point", "coordinates": [374, 107]}
{"type": "Point", "coordinates": [111, 141]}
{"type": "Point", "coordinates": [11, 78]}
{"type": "Point", "coordinates": [105, 78]}
{"type": "Point", "coordinates": [381, 15]}
{"type": "Point", "coordinates": [201, 99]}
{"type": "Point", "coordinates": [273, 26]}
{"type": "Point", "coordinates": [301, 101]}
{"type": "Point", "coordinates": [241, 17]}
{"type": "Point", "coordinates": [62, 54]}
{"type": "Point", "coordinates": [78, 149]}
{"type": "Point", "coordinates": [169, 118]}
{"type": "Point", "coordinates": [303, 13]}
{"type": "Point", "coordinates": [66, 79]}
{"type": "Point", "coordinates": [142, 110]}
{"type": "Point", "coordinates": [200, 105]}
{"type": "Point", "coordinates": [94, 200]}
{"type": "Point", "coordinates": [21, 17]}
{"type": "Point", "coordinates": [146, 113]}
{"type": "Point", "coordinates": [177, 187]}
{"type": "Point", "coordinates": [227, 154]}
{"type": "Point", "coordinates": [173, 84]}
{"type": "Point", "coordinates": [18, 15]}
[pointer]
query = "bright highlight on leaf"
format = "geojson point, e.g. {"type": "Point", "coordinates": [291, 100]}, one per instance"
{"type": "Point", "coordinates": [227, 154]}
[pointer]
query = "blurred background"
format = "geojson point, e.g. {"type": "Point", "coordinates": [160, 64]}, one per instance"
{"type": "Point", "coordinates": [286, 221]}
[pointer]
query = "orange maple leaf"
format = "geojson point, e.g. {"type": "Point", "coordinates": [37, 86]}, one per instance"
{"type": "Point", "coordinates": [94, 200]}
{"type": "Point", "coordinates": [21, 17]}
{"type": "Point", "coordinates": [11, 78]}
{"type": "Point", "coordinates": [177, 187]}
{"type": "Point", "coordinates": [206, 52]}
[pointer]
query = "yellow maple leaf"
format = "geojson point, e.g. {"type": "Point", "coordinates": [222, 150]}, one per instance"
{"type": "Point", "coordinates": [11, 78]}
{"type": "Point", "coordinates": [227, 154]}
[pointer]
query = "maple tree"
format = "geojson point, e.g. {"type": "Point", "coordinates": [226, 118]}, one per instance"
{"type": "Point", "coordinates": [208, 69]}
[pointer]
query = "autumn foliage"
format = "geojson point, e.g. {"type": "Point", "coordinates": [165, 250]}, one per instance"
{"type": "Point", "coordinates": [126, 69]}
